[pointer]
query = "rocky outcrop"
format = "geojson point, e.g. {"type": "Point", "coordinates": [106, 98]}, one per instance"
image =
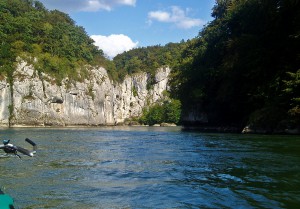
{"type": "Point", "coordinates": [194, 115]}
{"type": "Point", "coordinates": [36, 100]}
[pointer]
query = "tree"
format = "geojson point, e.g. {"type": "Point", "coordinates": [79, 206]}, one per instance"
{"type": "Point", "coordinates": [148, 59]}
{"type": "Point", "coordinates": [292, 89]}
{"type": "Point", "coordinates": [168, 111]}
{"type": "Point", "coordinates": [27, 29]}
{"type": "Point", "coordinates": [152, 115]}
{"type": "Point", "coordinates": [237, 65]}
{"type": "Point", "coordinates": [172, 111]}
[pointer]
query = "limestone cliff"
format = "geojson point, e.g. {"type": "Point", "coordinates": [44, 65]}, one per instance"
{"type": "Point", "coordinates": [36, 100]}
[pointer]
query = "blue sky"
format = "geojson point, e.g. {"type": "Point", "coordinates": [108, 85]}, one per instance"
{"type": "Point", "coordinates": [120, 25]}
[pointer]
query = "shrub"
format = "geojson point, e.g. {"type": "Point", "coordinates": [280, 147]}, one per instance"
{"type": "Point", "coordinates": [169, 111]}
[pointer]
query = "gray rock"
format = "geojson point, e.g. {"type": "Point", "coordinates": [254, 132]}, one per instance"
{"type": "Point", "coordinates": [37, 100]}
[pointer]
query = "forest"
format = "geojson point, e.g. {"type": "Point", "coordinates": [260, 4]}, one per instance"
{"type": "Point", "coordinates": [242, 69]}
{"type": "Point", "coordinates": [48, 39]}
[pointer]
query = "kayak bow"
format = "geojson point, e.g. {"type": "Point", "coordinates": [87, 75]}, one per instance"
{"type": "Point", "coordinates": [6, 202]}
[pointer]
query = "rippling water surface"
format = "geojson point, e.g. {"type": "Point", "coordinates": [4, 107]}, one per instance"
{"type": "Point", "coordinates": [123, 167]}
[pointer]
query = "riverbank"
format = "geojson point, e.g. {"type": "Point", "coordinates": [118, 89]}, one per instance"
{"type": "Point", "coordinates": [239, 130]}
{"type": "Point", "coordinates": [204, 129]}
{"type": "Point", "coordinates": [87, 126]}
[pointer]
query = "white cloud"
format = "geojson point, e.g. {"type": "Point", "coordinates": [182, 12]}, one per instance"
{"type": "Point", "coordinates": [176, 16]}
{"type": "Point", "coordinates": [114, 44]}
{"type": "Point", "coordinates": [159, 16]}
{"type": "Point", "coordinates": [86, 5]}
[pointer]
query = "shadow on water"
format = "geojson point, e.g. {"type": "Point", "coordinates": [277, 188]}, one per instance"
{"type": "Point", "coordinates": [147, 167]}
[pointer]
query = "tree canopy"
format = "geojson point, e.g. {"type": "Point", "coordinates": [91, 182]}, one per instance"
{"type": "Point", "coordinates": [167, 111]}
{"type": "Point", "coordinates": [243, 67]}
{"type": "Point", "coordinates": [28, 29]}
{"type": "Point", "coordinates": [148, 59]}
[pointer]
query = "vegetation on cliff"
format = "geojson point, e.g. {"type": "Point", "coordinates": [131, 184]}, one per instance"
{"type": "Point", "coordinates": [242, 69]}
{"type": "Point", "coordinates": [167, 111]}
{"type": "Point", "coordinates": [54, 44]}
{"type": "Point", "coordinates": [148, 59]}
{"type": "Point", "coordinates": [49, 39]}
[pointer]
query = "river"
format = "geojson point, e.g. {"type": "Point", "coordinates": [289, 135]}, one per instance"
{"type": "Point", "coordinates": [151, 167]}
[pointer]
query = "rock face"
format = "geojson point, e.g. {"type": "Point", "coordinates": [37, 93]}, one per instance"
{"type": "Point", "coordinates": [36, 100]}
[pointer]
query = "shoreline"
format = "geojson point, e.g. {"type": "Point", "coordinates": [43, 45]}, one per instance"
{"type": "Point", "coordinates": [245, 130]}
{"type": "Point", "coordinates": [204, 129]}
{"type": "Point", "coordinates": [84, 126]}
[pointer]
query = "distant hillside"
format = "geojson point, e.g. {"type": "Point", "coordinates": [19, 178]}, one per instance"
{"type": "Point", "coordinates": [148, 59]}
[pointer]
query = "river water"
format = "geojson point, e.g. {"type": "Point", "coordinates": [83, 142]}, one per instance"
{"type": "Point", "coordinates": [151, 167]}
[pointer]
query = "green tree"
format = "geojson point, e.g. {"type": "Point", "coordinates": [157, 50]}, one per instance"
{"type": "Point", "coordinates": [168, 111]}
{"type": "Point", "coordinates": [148, 59]}
{"type": "Point", "coordinates": [172, 111]}
{"type": "Point", "coordinates": [60, 47]}
{"type": "Point", "coordinates": [236, 68]}
{"type": "Point", "coordinates": [152, 115]}
{"type": "Point", "coordinates": [292, 90]}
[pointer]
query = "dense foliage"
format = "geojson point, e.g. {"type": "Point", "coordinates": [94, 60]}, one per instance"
{"type": "Point", "coordinates": [148, 59]}
{"type": "Point", "coordinates": [169, 111]}
{"type": "Point", "coordinates": [244, 66]}
{"type": "Point", "coordinates": [60, 48]}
